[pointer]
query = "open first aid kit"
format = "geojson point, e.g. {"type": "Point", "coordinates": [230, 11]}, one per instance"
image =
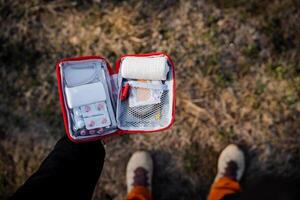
{"type": "Point", "coordinates": [96, 101]}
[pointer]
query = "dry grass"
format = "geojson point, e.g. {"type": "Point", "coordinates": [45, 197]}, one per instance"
{"type": "Point", "coordinates": [237, 66]}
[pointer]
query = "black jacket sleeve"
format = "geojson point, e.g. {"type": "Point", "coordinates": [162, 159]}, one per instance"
{"type": "Point", "coordinates": [70, 171]}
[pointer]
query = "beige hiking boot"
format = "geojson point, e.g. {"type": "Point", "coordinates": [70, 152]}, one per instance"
{"type": "Point", "coordinates": [231, 163]}
{"type": "Point", "coordinates": [139, 170]}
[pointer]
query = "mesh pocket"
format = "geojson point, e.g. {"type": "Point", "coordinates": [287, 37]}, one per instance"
{"type": "Point", "coordinates": [145, 117]}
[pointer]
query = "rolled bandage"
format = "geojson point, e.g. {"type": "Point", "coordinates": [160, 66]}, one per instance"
{"type": "Point", "coordinates": [145, 68]}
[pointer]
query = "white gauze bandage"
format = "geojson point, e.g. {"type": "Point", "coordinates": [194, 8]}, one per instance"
{"type": "Point", "coordinates": [145, 68]}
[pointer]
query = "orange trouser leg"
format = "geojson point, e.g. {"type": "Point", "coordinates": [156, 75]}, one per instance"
{"type": "Point", "coordinates": [139, 193]}
{"type": "Point", "coordinates": [222, 187]}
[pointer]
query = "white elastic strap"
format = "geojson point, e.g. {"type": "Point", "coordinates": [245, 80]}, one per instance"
{"type": "Point", "coordinates": [148, 85]}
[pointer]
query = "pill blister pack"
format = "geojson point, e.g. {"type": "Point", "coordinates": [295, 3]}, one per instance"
{"type": "Point", "coordinates": [98, 101]}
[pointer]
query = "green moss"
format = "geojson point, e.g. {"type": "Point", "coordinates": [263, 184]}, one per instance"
{"type": "Point", "coordinates": [224, 79]}
{"type": "Point", "coordinates": [211, 64]}
{"type": "Point", "coordinates": [211, 20]}
{"type": "Point", "coordinates": [260, 88]}
{"type": "Point", "coordinates": [213, 60]}
{"type": "Point", "coordinates": [290, 99]}
{"type": "Point", "coordinates": [226, 134]}
{"type": "Point", "coordinates": [278, 70]}
{"type": "Point", "coordinates": [251, 51]}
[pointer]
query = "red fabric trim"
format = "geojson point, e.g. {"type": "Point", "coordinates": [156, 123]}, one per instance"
{"type": "Point", "coordinates": [61, 100]}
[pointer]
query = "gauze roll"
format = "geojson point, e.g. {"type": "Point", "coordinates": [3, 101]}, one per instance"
{"type": "Point", "coordinates": [145, 68]}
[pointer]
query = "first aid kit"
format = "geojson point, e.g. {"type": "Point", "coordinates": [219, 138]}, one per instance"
{"type": "Point", "coordinates": [97, 102]}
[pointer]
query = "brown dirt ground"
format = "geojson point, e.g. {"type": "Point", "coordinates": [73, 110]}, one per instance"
{"type": "Point", "coordinates": [237, 66]}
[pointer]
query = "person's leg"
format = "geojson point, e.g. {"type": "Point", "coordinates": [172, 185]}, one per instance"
{"type": "Point", "coordinates": [231, 166]}
{"type": "Point", "coordinates": [69, 171]}
{"type": "Point", "coordinates": [139, 176]}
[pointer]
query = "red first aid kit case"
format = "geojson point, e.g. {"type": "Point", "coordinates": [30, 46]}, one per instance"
{"type": "Point", "coordinates": [98, 101]}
